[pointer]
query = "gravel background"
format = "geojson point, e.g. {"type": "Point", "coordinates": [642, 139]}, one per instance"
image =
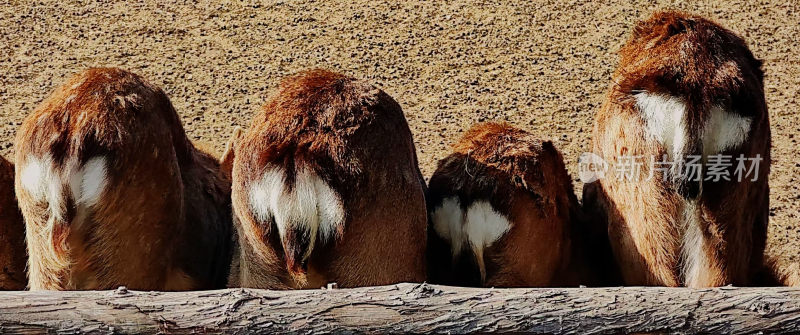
{"type": "Point", "coordinates": [541, 65]}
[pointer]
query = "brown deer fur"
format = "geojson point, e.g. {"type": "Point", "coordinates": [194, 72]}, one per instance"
{"type": "Point", "coordinates": [684, 86]}
{"type": "Point", "coordinates": [326, 188]}
{"type": "Point", "coordinates": [12, 233]}
{"type": "Point", "coordinates": [503, 213]}
{"type": "Point", "coordinates": [113, 193]}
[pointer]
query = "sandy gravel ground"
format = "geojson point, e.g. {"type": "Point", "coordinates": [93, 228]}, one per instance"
{"type": "Point", "coordinates": [541, 65]}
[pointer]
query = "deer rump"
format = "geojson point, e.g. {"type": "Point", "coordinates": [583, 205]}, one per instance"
{"type": "Point", "coordinates": [687, 90]}
{"type": "Point", "coordinates": [326, 187]}
{"type": "Point", "coordinates": [113, 193]}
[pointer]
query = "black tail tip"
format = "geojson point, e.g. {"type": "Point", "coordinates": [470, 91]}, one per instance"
{"type": "Point", "coordinates": [688, 189]}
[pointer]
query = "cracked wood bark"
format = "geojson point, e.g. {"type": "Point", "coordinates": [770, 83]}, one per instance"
{"type": "Point", "coordinates": [407, 308]}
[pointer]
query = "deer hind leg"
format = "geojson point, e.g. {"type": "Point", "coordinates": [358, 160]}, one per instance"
{"type": "Point", "coordinates": [49, 190]}
{"type": "Point", "coordinates": [700, 267]}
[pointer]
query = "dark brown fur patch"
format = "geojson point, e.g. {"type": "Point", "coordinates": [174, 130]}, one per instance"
{"type": "Point", "coordinates": [12, 233]}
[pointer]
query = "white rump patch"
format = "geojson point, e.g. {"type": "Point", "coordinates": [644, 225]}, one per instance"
{"type": "Point", "coordinates": [484, 226]}
{"type": "Point", "coordinates": [88, 182]}
{"type": "Point", "coordinates": [311, 205]}
{"type": "Point", "coordinates": [665, 121]}
{"type": "Point", "coordinates": [480, 226]}
{"type": "Point", "coordinates": [42, 181]}
{"type": "Point", "coordinates": [448, 221]}
{"type": "Point", "coordinates": [46, 183]}
{"type": "Point", "coordinates": [724, 130]}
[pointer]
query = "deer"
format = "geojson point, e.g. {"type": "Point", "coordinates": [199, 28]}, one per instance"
{"type": "Point", "coordinates": [326, 189]}
{"type": "Point", "coordinates": [504, 214]}
{"type": "Point", "coordinates": [12, 233]}
{"type": "Point", "coordinates": [113, 193]}
{"type": "Point", "coordinates": [687, 93]}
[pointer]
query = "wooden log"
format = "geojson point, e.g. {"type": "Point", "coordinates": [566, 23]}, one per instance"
{"type": "Point", "coordinates": [413, 308]}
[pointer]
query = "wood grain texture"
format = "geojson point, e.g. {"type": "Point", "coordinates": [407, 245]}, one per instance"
{"type": "Point", "coordinates": [406, 308]}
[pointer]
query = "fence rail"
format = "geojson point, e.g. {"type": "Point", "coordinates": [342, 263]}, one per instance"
{"type": "Point", "coordinates": [413, 308]}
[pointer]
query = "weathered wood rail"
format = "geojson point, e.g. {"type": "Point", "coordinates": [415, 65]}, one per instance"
{"type": "Point", "coordinates": [413, 308]}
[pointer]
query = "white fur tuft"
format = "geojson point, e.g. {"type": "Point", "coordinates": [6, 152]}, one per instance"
{"type": "Point", "coordinates": [42, 180]}
{"type": "Point", "coordinates": [724, 130]}
{"type": "Point", "coordinates": [87, 182]}
{"type": "Point", "coordinates": [448, 221]}
{"type": "Point", "coordinates": [479, 227]}
{"type": "Point", "coordinates": [484, 226]}
{"type": "Point", "coordinates": [665, 121]}
{"type": "Point", "coordinates": [310, 205]}
{"type": "Point", "coordinates": [665, 117]}
{"type": "Point", "coordinates": [693, 254]}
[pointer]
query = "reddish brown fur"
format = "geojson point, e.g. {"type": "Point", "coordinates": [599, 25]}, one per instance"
{"type": "Point", "coordinates": [525, 180]}
{"type": "Point", "coordinates": [12, 233]}
{"type": "Point", "coordinates": [356, 139]}
{"type": "Point", "coordinates": [163, 219]}
{"type": "Point", "coordinates": [696, 59]}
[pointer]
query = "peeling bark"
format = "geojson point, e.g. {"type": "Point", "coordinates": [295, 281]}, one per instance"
{"type": "Point", "coordinates": [413, 308]}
